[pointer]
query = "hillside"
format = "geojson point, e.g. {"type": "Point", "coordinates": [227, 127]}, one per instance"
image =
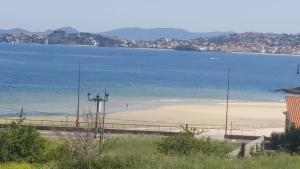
{"type": "Point", "coordinates": [157, 33]}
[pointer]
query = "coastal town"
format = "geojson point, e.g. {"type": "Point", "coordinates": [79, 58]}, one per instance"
{"type": "Point", "coordinates": [249, 42]}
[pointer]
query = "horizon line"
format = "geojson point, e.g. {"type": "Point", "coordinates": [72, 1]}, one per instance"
{"type": "Point", "coordinates": [145, 28]}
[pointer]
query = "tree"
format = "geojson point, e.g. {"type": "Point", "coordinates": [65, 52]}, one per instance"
{"type": "Point", "coordinates": [19, 142]}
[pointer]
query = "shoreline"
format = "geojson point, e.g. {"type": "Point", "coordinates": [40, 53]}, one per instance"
{"type": "Point", "coordinates": [265, 54]}
{"type": "Point", "coordinates": [113, 108]}
{"type": "Point", "coordinates": [167, 49]}
{"type": "Point", "coordinates": [256, 113]}
{"type": "Point", "coordinates": [258, 118]}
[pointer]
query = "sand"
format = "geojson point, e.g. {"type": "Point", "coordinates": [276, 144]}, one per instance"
{"type": "Point", "coordinates": [248, 118]}
{"type": "Point", "coordinates": [211, 114]}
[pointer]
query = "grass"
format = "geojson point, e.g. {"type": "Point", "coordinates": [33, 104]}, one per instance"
{"type": "Point", "coordinates": [136, 152]}
{"type": "Point", "coordinates": [17, 166]}
{"type": "Point", "coordinates": [140, 152]}
{"type": "Point", "coordinates": [132, 145]}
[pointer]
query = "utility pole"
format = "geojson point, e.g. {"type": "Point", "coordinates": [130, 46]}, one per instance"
{"type": "Point", "coordinates": [96, 99]}
{"type": "Point", "coordinates": [78, 97]}
{"type": "Point", "coordinates": [106, 95]}
{"type": "Point", "coordinates": [227, 101]}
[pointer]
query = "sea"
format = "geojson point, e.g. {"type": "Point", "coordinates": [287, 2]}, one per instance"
{"type": "Point", "coordinates": [43, 79]}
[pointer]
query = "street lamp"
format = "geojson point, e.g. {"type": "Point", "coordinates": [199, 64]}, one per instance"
{"type": "Point", "coordinates": [106, 95]}
{"type": "Point", "coordinates": [99, 99]}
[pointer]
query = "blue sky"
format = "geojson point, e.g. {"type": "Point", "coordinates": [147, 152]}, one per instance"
{"type": "Point", "coordinates": [194, 15]}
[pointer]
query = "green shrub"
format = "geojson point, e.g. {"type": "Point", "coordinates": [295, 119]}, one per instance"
{"type": "Point", "coordinates": [80, 150]}
{"type": "Point", "coordinates": [289, 140]}
{"type": "Point", "coordinates": [185, 143]}
{"type": "Point", "coordinates": [292, 140]}
{"type": "Point", "coordinates": [21, 143]}
{"type": "Point", "coordinates": [214, 147]}
{"type": "Point", "coordinates": [181, 144]}
{"type": "Point", "coordinates": [277, 140]}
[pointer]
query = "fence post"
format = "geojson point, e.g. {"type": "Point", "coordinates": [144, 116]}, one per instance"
{"type": "Point", "coordinates": [243, 150]}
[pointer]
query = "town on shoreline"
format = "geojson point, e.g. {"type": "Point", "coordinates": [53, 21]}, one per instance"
{"type": "Point", "coordinates": [249, 42]}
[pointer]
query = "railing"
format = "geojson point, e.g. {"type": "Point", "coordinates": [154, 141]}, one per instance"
{"type": "Point", "coordinates": [204, 129]}
{"type": "Point", "coordinates": [250, 148]}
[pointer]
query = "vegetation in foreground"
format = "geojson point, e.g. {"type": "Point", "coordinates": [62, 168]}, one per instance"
{"type": "Point", "coordinates": [21, 143]}
{"type": "Point", "coordinates": [289, 140]}
{"type": "Point", "coordinates": [151, 152]}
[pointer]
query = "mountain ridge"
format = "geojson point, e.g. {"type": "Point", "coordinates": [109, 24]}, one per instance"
{"type": "Point", "coordinates": [15, 31]}
{"type": "Point", "coordinates": [135, 33]}
{"type": "Point", "coordinates": [67, 29]}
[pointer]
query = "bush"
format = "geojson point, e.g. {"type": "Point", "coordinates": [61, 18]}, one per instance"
{"type": "Point", "coordinates": [289, 140]}
{"type": "Point", "coordinates": [21, 143]}
{"type": "Point", "coordinates": [182, 144]}
{"type": "Point", "coordinates": [80, 150]}
{"type": "Point", "coordinates": [292, 140]}
{"type": "Point", "coordinates": [185, 143]}
{"type": "Point", "coordinates": [277, 140]}
{"type": "Point", "coordinates": [214, 147]}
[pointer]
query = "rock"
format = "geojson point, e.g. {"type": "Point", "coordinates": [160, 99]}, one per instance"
{"type": "Point", "coordinates": [290, 90]}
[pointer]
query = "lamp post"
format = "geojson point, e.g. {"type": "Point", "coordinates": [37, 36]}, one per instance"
{"type": "Point", "coordinates": [96, 99]}
{"type": "Point", "coordinates": [99, 99]}
{"type": "Point", "coordinates": [106, 95]}
{"type": "Point", "coordinates": [78, 97]}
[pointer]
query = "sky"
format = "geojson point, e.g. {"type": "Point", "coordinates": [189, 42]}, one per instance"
{"type": "Point", "coordinates": [278, 16]}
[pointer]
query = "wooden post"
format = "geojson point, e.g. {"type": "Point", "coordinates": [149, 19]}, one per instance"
{"type": "Point", "coordinates": [243, 151]}
{"type": "Point", "coordinates": [227, 101]}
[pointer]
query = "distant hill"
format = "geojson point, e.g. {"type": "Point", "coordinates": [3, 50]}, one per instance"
{"type": "Point", "coordinates": [14, 31]}
{"type": "Point", "coordinates": [156, 33]}
{"type": "Point", "coordinates": [131, 33]}
{"type": "Point", "coordinates": [68, 30]}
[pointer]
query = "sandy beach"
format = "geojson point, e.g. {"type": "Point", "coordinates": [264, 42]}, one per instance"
{"type": "Point", "coordinates": [264, 117]}
{"type": "Point", "coordinates": [211, 114]}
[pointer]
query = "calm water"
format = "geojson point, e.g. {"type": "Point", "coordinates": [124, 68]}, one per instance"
{"type": "Point", "coordinates": [43, 79]}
